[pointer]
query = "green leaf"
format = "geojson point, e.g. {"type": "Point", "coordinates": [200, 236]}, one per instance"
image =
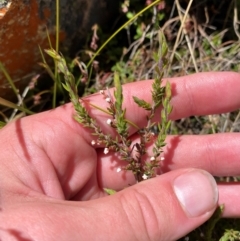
{"type": "Point", "coordinates": [169, 109]}
{"type": "Point", "coordinates": [121, 123]}
{"type": "Point", "coordinates": [2, 124]}
{"type": "Point", "coordinates": [10, 104]}
{"type": "Point", "coordinates": [66, 87]}
{"type": "Point", "coordinates": [142, 103]}
{"type": "Point", "coordinates": [168, 90]}
{"type": "Point", "coordinates": [163, 48]}
{"type": "Point", "coordinates": [168, 125]}
{"type": "Point", "coordinates": [163, 114]}
{"type": "Point", "coordinates": [52, 53]}
{"type": "Point", "coordinates": [157, 92]}
{"type": "Point", "coordinates": [109, 191]}
{"type": "Point", "coordinates": [118, 93]}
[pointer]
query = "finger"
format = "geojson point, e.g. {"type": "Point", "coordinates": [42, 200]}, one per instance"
{"type": "Point", "coordinates": [197, 94]}
{"type": "Point", "coordinates": [229, 196]}
{"type": "Point", "coordinates": [205, 93]}
{"type": "Point", "coordinates": [217, 154]}
{"type": "Point", "coordinates": [141, 212]}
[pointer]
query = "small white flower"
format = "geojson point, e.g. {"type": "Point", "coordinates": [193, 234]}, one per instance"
{"type": "Point", "coordinates": [145, 176]}
{"type": "Point", "coordinates": [108, 99]}
{"type": "Point", "coordinates": [106, 151]}
{"type": "Point", "coordinates": [93, 142]}
{"type": "Point", "coordinates": [109, 121]}
{"type": "Point", "coordinates": [162, 158]}
{"type": "Point", "coordinates": [152, 158]}
{"type": "Point", "coordinates": [119, 169]}
{"type": "Point", "coordinates": [101, 92]}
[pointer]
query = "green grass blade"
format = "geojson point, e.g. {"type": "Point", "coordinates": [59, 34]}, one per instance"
{"type": "Point", "coordinates": [14, 106]}
{"type": "Point", "coordinates": [9, 79]}
{"type": "Point", "coordinates": [121, 28]}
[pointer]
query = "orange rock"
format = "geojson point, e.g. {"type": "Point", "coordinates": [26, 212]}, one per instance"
{"type": "Point", "coordinates": [23, 26]}
{"type": "Point", "coordinates": [20, 34]}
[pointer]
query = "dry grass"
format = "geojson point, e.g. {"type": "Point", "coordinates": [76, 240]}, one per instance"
{"type": "Point", "coordinates": [195, 46]}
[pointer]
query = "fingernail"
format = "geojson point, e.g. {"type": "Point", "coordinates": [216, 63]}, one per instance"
{"type": "Point", "coordinates": [196, 191]}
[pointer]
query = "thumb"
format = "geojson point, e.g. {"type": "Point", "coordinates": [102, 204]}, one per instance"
{"type": "Point", "coordinates": [164, 208]}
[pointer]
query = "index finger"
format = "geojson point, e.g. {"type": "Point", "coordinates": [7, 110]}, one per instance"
{"type": "Point", "coordinates": [197, 94]}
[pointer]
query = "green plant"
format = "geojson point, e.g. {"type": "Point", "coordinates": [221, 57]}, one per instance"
{"type": "Point", "coordinates": [142, 165]}
{"type": "Point", "coordinates": [230, 235]}
{"type": "Point", "coordinates": [201, 46]}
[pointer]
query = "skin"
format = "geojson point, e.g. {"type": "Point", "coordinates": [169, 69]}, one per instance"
{"type": "Point", "coordinates": [52, 177]}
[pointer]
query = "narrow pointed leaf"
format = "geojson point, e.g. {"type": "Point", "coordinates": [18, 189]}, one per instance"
{"type": "Point", "coordinates": [142, 103]}
{"type": "Point", "coordinates": [109, 191]}
{"type": "Point", "coordinates": [118, 93]}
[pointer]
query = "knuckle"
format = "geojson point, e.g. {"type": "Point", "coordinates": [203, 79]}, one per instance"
{"type": "Point", "coordinates": [142, 215]}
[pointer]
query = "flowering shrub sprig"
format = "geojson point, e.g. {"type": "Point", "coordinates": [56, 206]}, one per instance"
{"type": "Point", "coordinates": [142, 165]}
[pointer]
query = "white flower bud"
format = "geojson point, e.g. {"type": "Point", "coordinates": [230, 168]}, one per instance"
{"type": "Point", "coordinates": [152, 158]}
{"type": "Point", "coordinates": [162, 158]}
{"type": "Point", "coordinates": [108, 99]}
{"type": "Point", "coordinates": [93, 142]}
{"type": "Point", "coordinates": [109, 121]}
{"type": "Point", "coordinates": [145, 177]}
{"type": "Point", "coordinates": [119, 169]}
{"type": "Point", "coordinates": [106, 151]}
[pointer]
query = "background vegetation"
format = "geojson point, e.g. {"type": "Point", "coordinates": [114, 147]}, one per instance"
{"type": "Point", "coordinates": [203, 35]}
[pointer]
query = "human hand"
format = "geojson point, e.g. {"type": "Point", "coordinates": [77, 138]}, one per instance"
{"type": "Point", "coordinates": [52, 178]}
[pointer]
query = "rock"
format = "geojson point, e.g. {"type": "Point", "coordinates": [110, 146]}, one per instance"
{"type": "Point", "coordinates": [23, 29]}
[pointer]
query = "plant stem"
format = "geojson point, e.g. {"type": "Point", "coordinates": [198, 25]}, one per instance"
{"type": "Point", "coordinates": [121, 28]}
{"type": "Point", "coordinates": [57, 49]}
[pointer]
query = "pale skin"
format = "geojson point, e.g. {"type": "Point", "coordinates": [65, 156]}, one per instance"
{"type": "Point", "coordinates": [52, 178]}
